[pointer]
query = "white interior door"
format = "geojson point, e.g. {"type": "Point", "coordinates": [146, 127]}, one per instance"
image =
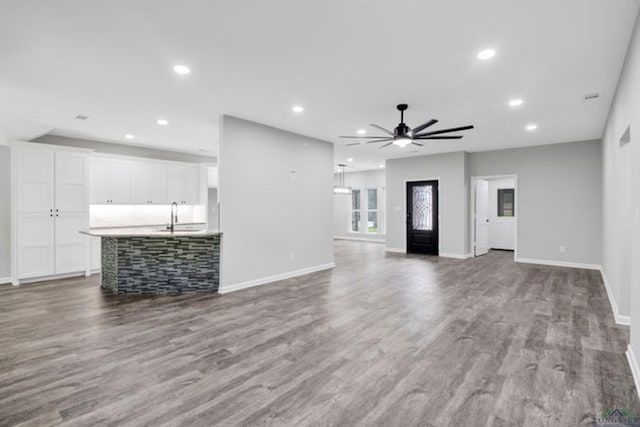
{"type": "Point", "coordinates": [482, 217]}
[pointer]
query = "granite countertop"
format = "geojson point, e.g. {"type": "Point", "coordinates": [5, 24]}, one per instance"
{"type": "Point", "coordinates": [152, 231]}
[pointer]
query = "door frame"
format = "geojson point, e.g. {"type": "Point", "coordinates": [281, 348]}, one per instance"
{"type": "Point", "coordinates": [405, 209]}
{"type": "Point", "coordinates": [472, 210]}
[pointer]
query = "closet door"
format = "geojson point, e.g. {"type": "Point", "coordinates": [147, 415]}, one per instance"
{"type": "Point", "coordinates": [70, 212]}
{"type": "Point", "coordinates": [35, 212]}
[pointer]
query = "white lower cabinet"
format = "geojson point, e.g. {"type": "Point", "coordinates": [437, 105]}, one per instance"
{"type": "Point", "coordinates": [51, 195]}
{"type": "Point", "coordinates": [96, 253]}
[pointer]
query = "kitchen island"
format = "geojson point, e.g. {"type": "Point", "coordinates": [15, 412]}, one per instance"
{"type": "Point", "coordinates": [153, 261]}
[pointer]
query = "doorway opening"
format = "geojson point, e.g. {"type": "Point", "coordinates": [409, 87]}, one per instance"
{"type": "Point", "coordinates": [422, 217]}
{"type": "Point", "coordinates": [494, 214]}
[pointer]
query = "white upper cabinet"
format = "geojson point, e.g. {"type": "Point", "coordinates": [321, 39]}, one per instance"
{"type": "Point", "coordinates": [120, 182]}
{"type": "Point", "coordinates": [150, 183]}
{"type": "Point", "coordinates": [184, 184]}
{"type": "Point", "coordinates": [139, 182]}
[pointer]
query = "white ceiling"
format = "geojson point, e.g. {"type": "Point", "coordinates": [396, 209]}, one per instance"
{"type": "Point", "coordinates": [347, 62]}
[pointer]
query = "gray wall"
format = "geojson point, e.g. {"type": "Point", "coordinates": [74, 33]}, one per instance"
{"type": "Point", "coordinates": [265, 215]}
{"type": "Point", "coordinates": [124, 149]}
{"type": "Point", "coordinates": [450, 168]}
{"type": "Point", "coordinates": [559, 198]}
{"type": "Point", "coordinates": [342, 203]}
{"type": "Point", "coordinates": [621, 194]}
{"type": "Point", "coordinates": [5, 212]}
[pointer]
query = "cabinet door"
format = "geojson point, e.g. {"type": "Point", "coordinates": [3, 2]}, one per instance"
{"type": "Point", "coordinates": [158, 181]}
{"type": "Point", "coordinates": [120, 180]}
{"type": "Point", "coordinates": [184, 184]}
{"type": "Point", "coordinates": [35, 181]}
{"type": "Point", "coordinates": [70, 245]}
{"type": "Point", "coordinates": [70, 183]}
{"type": "Point", "coordinates": [96, 253]}
{"type": "Point", "coordinates": [141, 183]}
{"type": "Point", "coordinates": [99, 182]}
{"type": "Point", "coordinates": [35, 245]}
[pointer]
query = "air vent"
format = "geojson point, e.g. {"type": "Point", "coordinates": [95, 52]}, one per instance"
{"type": "Point", "coordinates": [82, 117]}
{"type": "Point", "coordinates": [591, 96]}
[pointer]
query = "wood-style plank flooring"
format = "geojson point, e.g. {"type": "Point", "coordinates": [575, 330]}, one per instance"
{"type": "Point", "coordinates": [383, 339]}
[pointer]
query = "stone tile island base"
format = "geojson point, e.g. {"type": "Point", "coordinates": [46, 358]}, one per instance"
{"type": "Point", "coordinates": [170, 264]}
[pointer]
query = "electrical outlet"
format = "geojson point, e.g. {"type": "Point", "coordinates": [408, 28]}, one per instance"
{"type": "Point", "coordinates": [563, 249]}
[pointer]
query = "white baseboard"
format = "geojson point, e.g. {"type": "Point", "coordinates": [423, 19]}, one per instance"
{"type": "Point", "coordinates": [635, 369]}
{"type": "Point", "coordinates": [4, 280]}
{"type": "Point", "coordinates": [558, 263]}
{"type": "Point", "coordinates": [358, 239]}
{"type": "Point", "coordinates": [620, 319]}
{"type": "Point", "coordinates": [275, 278]}
{"type": "Point", "coordinates": [468, 255]}
{"type": "Point", "coordinates": [53, 277]}
{"type": "Point", "coordinates": [395, 250]}
{"type": "Point", "coordinates": [455, 256]}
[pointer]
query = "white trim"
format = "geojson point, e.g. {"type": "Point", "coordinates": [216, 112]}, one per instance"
{"type": "Point", "coordinates": [455, 256]}
{"type": "Point", "coordinates": [472, 214]}
{"type": "Point", "coordinates": [635, 370]}
{"type": "Point", "coordinates": [468, 255]}
{"type": "Point", "coordinates": [558, 263]}
{"type": "Point", "coordinates": [620, 319]}
{"type": "Point", "coordinates": [275, 278]}
{"type": "Point", "coordinates": [395, 250]}
{"type": "Point", "coordinates": [37, 279]}
{"type": "Point", "coordinates": [5, 280]}
{"type": "Point", "coordinates": [49, 147]}
{"type": "Point", "coordinates": [358, 239]}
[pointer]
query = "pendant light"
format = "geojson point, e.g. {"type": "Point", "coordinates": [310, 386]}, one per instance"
{"type": "Point", "coordinates": [342, 188]}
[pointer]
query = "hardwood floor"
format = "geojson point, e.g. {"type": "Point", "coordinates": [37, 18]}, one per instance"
{"type": "Point", "coordinates": [383, 339]}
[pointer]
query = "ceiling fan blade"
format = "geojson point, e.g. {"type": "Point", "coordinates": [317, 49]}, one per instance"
{"type": "Point", "coordinates": [382, 129]}
{"type": "Point", "coordinates": [423, 126]}
{"type": "Point", "coordinates": [439, 137]}
{"type": "Point", "coordinates": [415, 143]}
{"type": "Point", "coordinates": [437, 132]}
{"type": "Point", "coordinates": [353, 143]}
{"type": "Point", "coordinates": [385, 145]}
{"type": "Point", "coordinates": [364, 137]}
{"type": "Point", "coordinates": [379, 140]}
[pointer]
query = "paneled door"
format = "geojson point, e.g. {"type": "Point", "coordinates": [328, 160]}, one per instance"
{"type": "Point", "coordinates": [35, 213]}
{"type": "Point", "coordinates": [422, 217]}
{"type": "Point", "coordinates": [70, 212]}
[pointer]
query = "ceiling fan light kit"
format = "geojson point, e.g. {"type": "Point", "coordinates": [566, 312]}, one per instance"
{"type": "Point", "coordinates": [403, 135]}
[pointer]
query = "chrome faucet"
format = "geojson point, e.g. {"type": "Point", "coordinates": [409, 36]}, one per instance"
{"type": "Point", "coordinates": [174, 216]}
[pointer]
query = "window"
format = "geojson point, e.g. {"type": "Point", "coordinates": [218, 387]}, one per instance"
{"type": "Point", "coordinates": [506, 202]}
{"type": "Point", "coordinates": [372, 210]}
{"type": "Point", "coordinates": [355, 211]}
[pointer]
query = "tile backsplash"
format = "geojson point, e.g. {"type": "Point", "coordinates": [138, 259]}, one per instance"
{"type": "Point", "coordinates": [136, 215]}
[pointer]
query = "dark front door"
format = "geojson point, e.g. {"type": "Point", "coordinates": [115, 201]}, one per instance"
{"type": "Point", "coordinates": [422, 217]}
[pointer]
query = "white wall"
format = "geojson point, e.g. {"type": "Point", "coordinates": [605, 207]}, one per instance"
{"type": "Point", "coordinates": [621, 195]}
{"type": "Point", "coordinates": [450, 169]}
{"type": "Point", "coordinates": [266, 215]}
{"type": "Point", "coordinates": [502, 230]}
{"type": "Point", "coordinates": [558, 200]}
{"type": "Point", "coordinates": [342, 204]}
{"type": "Point", "coordinates": [5, 212]}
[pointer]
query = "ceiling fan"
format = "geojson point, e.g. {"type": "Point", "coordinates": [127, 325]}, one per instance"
{"type": "Point", "coordinates": [403, 135]}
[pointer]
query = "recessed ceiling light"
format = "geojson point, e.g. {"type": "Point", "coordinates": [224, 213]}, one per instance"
{"type": "Point", "coordinates": [130, 136]}
{"type": "Point", "coordinates": [361, 131]}
{"type": "Point", "coordinates": [486, 54]}
{"type": "Point", "coordinates": [163, 122]}
{"type": "Point", "coordinates": [531, 127]}
{"type": "Point", "coordinates": [350, 159]}
{"type": "Point", "coordinates": [516, 102]}
{"type": "Point", "coordinates": [381, 166]}
{"type": "Point", "coordinates": [181, 69]}
{"type": "Point", "coordinates": [297, 109]}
